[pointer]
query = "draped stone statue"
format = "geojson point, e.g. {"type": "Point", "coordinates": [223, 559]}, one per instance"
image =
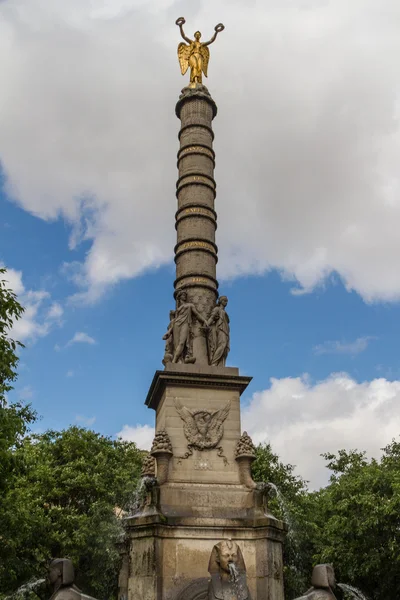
{"type": "Point", "coordinates": [228, 573]}
{"type": "Point", "coordinates": [62, 579]}
{"type": "Point", "coordinates": [182, 329]}
{"type": "Point", "coordinates": [322, 582]}
{"type": "Point", "coordinates": [218, 333]}
{"type": "Point", "coordinates": [169, 339]}
{"type": "Point", "coordinates": [195, 55]}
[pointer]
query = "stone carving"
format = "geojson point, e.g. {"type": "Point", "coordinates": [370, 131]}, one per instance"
{"type": "Point", "coordinates": [244, 455]}
{"type": "Point", "coordinates": [149, 466]}
{"type": "Point", "coordinates": [218, 333]}
{"type": "Point", "coordinates": [203, 428]}
{"type": "Point", "coordinates": [62, 580]}
{"type": "Point", "coordinates": [161, 442]}
{"type": "Point", "coordinates": [245, 446]}
{"type": "Point", "coordinates": [182, 329]}
{"type": "Point", "coordinates": [196, 55]}
{"type": "Point", "coordinates": [169, 339]}
{"type": "Point", "coordinates": [322, 581]}
{"type": "Point", "coordinates": [228, 573]}
{"type": "Point", "coordinates": [161, 449]}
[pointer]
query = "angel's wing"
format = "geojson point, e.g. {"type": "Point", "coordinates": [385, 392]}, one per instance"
{"type": "Point", "coordinates": [183, 56]}
{"type": "Point", "coordinates": [219, 417]}
{"type": "Point", "coordinates": [205, 53]}
{"type": "Point", "coordinates": [186, 416]}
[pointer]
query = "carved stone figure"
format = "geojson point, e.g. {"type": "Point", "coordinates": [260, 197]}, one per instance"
{"type": "Point", "coordinates": [62, 577]}
{"type": "Point", "coordinates": [196, 55]}
{"type": "Point", "coordinates": [228, 573]}
{"type": "Point", "coordinates": [203, 428]}
{"type": "Point", "coordinates": [183, 329]}
{"type": "Point", "coordinates": [169, 339]}
{"type": "Point", "coordinates": [322, 581]}
{"type": "Point", "coordinates": [218, 333]}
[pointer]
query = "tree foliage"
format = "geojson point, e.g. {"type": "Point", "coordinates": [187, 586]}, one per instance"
{"type": "Point", "coordinates": [14, 418]}
{"type": "Point", "coordinates": [359, 521]}
{"type": "Point", "coordinates": [294, 505]}
{"type": "Point", "coordinates": [63, 504]}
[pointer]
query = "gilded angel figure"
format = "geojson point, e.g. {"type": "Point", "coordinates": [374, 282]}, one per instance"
{"type": "Point", "coordinates": [195, 55]}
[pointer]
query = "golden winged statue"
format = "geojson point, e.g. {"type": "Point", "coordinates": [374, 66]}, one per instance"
{"type": "Point", "coordinates": [203, 428]}
{"type": "Point", "coordinates": [196, 54]}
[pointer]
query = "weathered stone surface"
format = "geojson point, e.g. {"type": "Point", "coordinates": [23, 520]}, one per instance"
{"type": "Point", "coordinates": [323, 582]}
{"type": "Point", "coordinates": [181, 554]}
{"type": "Point", "coordinates": [62, 580]}
{"type": "Point", "coordinates": [228, 572]}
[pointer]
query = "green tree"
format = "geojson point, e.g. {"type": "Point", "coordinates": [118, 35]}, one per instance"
{"type": "Point", "coordinates": [359, 521]}
{"type": "Point", "coordinates": [63, 504]}
{"type": "Point", "coordinates": [296, 506]}
{"type": "Point", "coordinates": [14, 418]}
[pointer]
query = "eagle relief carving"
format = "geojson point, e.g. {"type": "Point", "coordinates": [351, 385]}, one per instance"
{"type": "Point", "coordinates": [203, 429]}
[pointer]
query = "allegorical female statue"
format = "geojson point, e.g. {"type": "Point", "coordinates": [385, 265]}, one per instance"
{"type": "Point", "coordinates": [218, 333]}
{"type": "Point", "coordinates": [196, 55]}
{"type": "Point", "coordinates": [182, 329]}
{"type": "Point", "coordinates": [169, 339]}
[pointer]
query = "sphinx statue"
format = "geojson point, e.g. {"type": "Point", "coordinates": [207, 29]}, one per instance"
{"type": "Point", "coordinates": [62, 579]}
{"type": "Point", "coordinates": [228, 573]}
{"type": "Point", "coordinates": [322, 582]}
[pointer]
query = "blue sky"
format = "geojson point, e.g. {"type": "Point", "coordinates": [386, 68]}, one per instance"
{"type": "Point", "coordinates": [307, 202]}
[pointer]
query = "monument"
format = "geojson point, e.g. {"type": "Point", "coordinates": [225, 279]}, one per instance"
{"type": "Point", "coordinates": [201, 500]}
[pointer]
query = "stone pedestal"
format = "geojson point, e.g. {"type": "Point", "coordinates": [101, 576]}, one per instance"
{"type": "Point", "coordinates": [203, 499]}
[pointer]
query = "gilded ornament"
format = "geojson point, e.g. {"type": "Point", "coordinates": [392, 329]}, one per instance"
{"type": "Point", "coordinates": [195, 54]}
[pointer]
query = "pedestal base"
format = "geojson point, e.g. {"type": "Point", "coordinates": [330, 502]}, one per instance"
{"type": "Point", "coordinates": [202, 497]}
{"type": "Point", "coordinates": [169, 560]}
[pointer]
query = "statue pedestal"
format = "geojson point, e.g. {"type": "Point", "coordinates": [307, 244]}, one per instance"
{"type": "Point", "coordinates": [202, 499]}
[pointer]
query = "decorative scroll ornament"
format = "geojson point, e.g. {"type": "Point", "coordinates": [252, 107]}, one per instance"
{"type": "Point", "coordinates": [196, 54]}
{"type": "Point", "coordinates": [203, 428]}
{"type": "Point", "coordinates": [245, 446]}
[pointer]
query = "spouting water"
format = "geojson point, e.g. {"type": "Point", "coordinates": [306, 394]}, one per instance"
{"type": "Point", "coordinates": [233, 571]}
{"type": "Point", "coordinates": [26, 589]}
{"type": "Point", "coordinates": [139, 496]}
{"type": "Point", "coordinates": [282, 503]}
{"type": "Point", "coordinates": [352, 591]}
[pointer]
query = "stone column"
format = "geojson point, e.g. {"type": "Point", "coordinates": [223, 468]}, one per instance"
{"type": "Point", "coordinates": [196, 251]}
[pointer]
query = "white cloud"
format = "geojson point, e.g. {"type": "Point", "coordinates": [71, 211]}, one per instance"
{"type": "Point", "coordinates": [81, 337]}
{"type": "Point", "coordinates": [85, 421]}
{"type": "Point", "coordinates": [142, 435]}
{"type": "Point", "coordinates": [303, 419]}
{"type": "Point", "coordinates": [307, 135]}
{"type": "Point", "coordinates": [26, 393]}
{"type": "Point", "coordinates": [39, 317]}
{"type": "Point", "coordinates": [70, 373]}
{"type": "Point", "coordinates": [337, 347]}
{"type": "Point", "coordinates": [56, 311]}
